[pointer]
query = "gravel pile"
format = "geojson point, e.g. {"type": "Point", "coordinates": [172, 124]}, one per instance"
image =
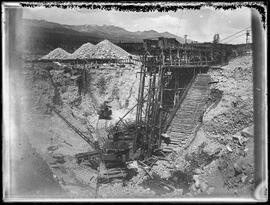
{"type": "Point", "coordinates": [103, 50]}
{"type": "Point", "coordinates": [85, 51]}
{"type": "Point", "coordinates": [106, 49]}
{"type": "Point", "coordinates": [57, 53]}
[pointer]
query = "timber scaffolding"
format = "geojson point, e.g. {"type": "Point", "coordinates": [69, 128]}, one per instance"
{"type": "Point", "coordinates": [168, 70]}
{"type": "Point", "coordinates": [86, 61]}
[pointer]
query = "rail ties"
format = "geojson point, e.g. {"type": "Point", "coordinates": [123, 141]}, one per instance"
{"type": "Point", "coordinates": [182, 128]}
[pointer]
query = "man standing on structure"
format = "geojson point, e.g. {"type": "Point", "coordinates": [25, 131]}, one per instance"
{"type": "Point", "coordinates": [105, 112]}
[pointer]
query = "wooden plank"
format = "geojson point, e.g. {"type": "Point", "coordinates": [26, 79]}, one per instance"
{"type": "Point", "coordinates": [142, 166]}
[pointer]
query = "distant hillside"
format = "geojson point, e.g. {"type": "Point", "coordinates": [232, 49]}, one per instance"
{"type": "Point", "coordinates": [119, 34]}
{"type": "Point", "coordinates": [42, 36]}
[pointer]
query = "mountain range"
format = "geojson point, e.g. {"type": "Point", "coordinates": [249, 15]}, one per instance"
{"type": "Point", "coordinates": [42, 36]}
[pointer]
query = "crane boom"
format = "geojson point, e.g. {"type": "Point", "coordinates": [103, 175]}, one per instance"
{"type": "Point", "coordinates": [79, 132]}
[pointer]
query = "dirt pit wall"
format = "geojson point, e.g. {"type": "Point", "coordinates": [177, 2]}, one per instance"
{"type": "Point", "coordinates": [109, 82]}
{"type": "Point", "coordinates": [224, 131]}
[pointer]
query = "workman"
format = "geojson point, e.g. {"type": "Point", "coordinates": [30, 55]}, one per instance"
{"type": "Point", "coordinates": [104, 111]}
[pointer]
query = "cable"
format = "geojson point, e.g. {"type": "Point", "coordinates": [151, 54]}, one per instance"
{"type": "Point", "coordinates": [228, 40]}
{"type": "Point", "coordinates": [234, 34]}
{"type": "Point", "coordinates": [236, 37]}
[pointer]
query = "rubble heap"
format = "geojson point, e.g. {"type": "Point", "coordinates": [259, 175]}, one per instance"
{"type": "Point", "coordinates": [57, 53]}
{"type": "Point", "coordinates": [103, 50]}
{"type": "Point", "coordinates": [106, 49]}
{"type": "Point", "coordinates": [85, 51]}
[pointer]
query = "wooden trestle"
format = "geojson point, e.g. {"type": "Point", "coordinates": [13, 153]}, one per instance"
{"type": "Point", "coordinates": [166, 74]}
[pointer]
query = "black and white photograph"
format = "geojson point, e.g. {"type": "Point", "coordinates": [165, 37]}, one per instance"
{"type": "Point", "coordinates": [138, 101]}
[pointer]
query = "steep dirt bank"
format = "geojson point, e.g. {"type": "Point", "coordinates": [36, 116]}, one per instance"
{"type": "Point", "coordinates": [230, 124]}
{"type": "Point", "coordinates": [117, 86]}
{"type": "Point", "coordinates": [227, 133]}
{"type": "Point", "coordinates": [235, 109]}
{"type": "Point", "coordinates": [110, 82]}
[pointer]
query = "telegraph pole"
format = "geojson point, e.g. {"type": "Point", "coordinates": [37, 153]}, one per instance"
{"type": "Point", "coordinates": [185, 38]}
{"type": "Point", "coordinates": [247, 36]}
{"type": "Point", "coordinates": [216, 38]}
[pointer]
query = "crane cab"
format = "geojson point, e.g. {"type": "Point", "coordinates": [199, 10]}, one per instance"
{"type": "Point", "coordinates": [105, 111]}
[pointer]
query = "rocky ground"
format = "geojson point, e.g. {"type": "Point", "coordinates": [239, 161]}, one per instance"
{"type": "Point", "coordinates": [219, 161]}
{"type": "Point", "coordinates": [229, 125]}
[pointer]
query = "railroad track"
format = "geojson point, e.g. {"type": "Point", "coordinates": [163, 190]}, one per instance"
{"type": "Point", "coordinates": [183, 126]}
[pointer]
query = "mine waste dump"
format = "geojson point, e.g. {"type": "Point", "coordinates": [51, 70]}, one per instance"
{"type": "Point", "coordinates": [170, 122]}
{"type": "Point", "coordinates": [106, 49]}
{"type": "Point", "coordinates": [85, 51]}
{"type": "Point", "coordinates": [103, 50]}
{"type": "Point", "coordinates": [57, 53]}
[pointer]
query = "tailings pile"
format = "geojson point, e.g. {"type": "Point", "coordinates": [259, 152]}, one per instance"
{"type": "Point", "coordinates": [106, 49]}
{"type": "Point", "coordinates": [85, 51]}
{"type": "Point", "coordinates": [57, 53]}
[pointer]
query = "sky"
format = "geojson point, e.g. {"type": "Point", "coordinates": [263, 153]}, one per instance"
{"type": "Point", "coordinates": [199, 25]}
